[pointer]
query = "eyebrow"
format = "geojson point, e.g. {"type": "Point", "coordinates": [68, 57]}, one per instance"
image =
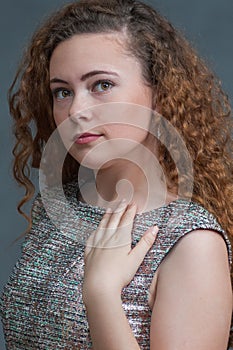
{"type": "Point", "coordinates": [85, 76]}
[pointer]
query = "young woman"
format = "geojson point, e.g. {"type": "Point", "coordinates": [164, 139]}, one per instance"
{"type": "Point", "coordinates": [129, 243]}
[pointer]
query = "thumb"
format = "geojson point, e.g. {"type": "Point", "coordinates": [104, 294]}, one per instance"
{"type": "Point", "coordinates": [138, 253]}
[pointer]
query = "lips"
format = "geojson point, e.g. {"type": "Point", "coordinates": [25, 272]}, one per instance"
{"type": "Point", "coordinates": [86, 138]}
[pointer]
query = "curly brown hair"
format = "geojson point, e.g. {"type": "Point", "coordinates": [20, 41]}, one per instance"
{"type": "Point", "coordinates": [188, 94]}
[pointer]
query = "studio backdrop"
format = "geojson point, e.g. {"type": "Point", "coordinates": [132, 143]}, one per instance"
{"type": "Point", "coordinates": [207, 24]}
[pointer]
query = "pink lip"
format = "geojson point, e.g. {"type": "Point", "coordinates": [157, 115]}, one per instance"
{"type": "Point", "coordinates": [86, 138]}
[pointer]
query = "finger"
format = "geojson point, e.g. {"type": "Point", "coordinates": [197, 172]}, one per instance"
{"type": "Point", "coordinates": [128, 216]}
{"type": "Point", "coordinates": [122, 219]}
{"type": "Point", "coordinates": [138, 253]}
{"type": "Point", "coordinates": [125, 225]}
{"type": "Point", "coordinates": [89, 244]}
{"type": "Point", "coordinates": [117, 233]}
{"type": "Point", "coordinates": [122, 236]}
{"type": "Point", "coordinates": [112, 218]}
{"type": "Point", "coordinates": [108, 225]}
{"type": "Point", "coordinates": [105, 219]}
{"type": "Point", "coordinates": [95, 236]}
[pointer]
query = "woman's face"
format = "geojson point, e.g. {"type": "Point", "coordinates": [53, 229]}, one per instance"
{"type": "Point", "coordinates": [98, 91]}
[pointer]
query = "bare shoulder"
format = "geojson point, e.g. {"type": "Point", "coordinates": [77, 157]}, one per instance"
{"type": "Point", "coordinates": [199, 246]}
{"type": "Point", "coordinates": [193, 301]}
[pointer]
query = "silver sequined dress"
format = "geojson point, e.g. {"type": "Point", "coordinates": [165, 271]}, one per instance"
{"type": "Point", "coordinates": [41, 305]}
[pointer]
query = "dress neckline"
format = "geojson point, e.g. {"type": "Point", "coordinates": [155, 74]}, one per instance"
{"type": "Point", "coordinates": [145, 213]}
{"type": "Point", "coordinates": [96, 208]}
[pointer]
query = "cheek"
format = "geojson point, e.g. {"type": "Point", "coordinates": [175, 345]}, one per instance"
{"type": "Point", "coordinates": [142, 95]}
{"type": "Point", "coordinates": [127, 132]}
{"type": "Point", "coordinates": [59, 115]}
{"type": "Point", "coordinates": [64, 127]}
{"type": "Point", "coordinates": [143, 100]}
{"type": "Point", "coordinates": [61, 109]}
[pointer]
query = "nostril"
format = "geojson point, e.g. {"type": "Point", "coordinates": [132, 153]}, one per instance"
{"type": "Point", "coordinates": [76, 116]}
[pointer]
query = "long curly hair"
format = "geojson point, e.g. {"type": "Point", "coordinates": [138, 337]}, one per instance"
{"type": "Point", "coordinates": [188, 94]}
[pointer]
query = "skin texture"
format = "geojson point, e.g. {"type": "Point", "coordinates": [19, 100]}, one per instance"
{"type": "Point", "coordinates": [113, 233]}
{"type": "Point", "coordinates": [195, 311]}
{"type": "Point", "coordinates": [81, 105]}
{"type": "Point", "coordinates": [75, 58]}
{"type": "Point", "coordinates": [192, 287]}
{"type": "Point", "coordinates": [193, 302]}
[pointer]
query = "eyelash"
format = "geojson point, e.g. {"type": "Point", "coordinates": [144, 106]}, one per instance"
{"type": "Point", "coordinates": [101, 82]}
{"type": "Point", "coordinates": [56, 91]}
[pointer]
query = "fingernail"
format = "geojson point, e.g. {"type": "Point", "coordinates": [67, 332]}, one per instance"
{"type": "Point", "coordinates": [132, 205]}
{"type": "Point", "coordinates": [154, 230]}
{"type": "Point", "coordinates": [120, 206]}
{"type": "Point", "coordinates": [108, 210]}
{"type": "Point", "coordinates": [122, 203]}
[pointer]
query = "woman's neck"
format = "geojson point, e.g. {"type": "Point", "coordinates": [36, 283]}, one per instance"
{"type": "Point", "coordinates": [123, 179]}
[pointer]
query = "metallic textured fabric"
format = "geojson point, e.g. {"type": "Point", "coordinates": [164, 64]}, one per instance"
{"type": "Point", "coordinates": [41, 305]}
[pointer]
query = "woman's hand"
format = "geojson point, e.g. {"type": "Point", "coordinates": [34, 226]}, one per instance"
{"type": "Point", "coordinates": [110, 262]}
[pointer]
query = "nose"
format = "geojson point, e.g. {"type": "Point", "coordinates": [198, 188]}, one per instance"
{"type": "Point", "coordinates": [80, 108]}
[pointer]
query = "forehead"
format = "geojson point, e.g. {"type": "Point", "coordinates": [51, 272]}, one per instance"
{"type": "Point", "coordinates": [92, 49]}
{"type": "Point", "coordinates": [91, 44]}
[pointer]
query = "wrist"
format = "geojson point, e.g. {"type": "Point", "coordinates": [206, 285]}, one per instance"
{"type": "Point", "coordinates": [102, 295]}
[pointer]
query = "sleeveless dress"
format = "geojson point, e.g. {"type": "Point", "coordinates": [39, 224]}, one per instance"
{"type": "Point", "coordinates": [41, 305]}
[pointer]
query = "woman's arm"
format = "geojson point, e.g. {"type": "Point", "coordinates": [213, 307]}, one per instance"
{"type": "Point", "coordinates": [193, 304]}
{"type": "Point", "coordinates": [108, 324]}
{"type": "Point", "coordinates": [110, 264]}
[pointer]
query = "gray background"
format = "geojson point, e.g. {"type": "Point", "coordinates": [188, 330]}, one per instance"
{"type": "Point", "coordinates": [209, 26]}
